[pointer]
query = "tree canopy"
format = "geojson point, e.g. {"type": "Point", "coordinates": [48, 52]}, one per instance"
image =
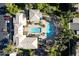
{"type": "Point", "coordinates": [12, 9]}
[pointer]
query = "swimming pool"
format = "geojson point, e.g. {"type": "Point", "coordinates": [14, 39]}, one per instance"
{"type": "Point", "coordinates": [35, 30]}
{"type": "Point", "coordinates": [50, 29]}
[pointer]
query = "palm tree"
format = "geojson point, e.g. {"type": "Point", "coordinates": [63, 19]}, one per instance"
{"type": "Point", "coordinates": [9, 49]}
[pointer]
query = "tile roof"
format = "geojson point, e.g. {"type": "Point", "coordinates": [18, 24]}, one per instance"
{"type": "Point", "coordinates": [74, 26]}
{"type": "Point", "coordinates": [21, 40]}
{"type": "Point", "coordinates": [28, 43]}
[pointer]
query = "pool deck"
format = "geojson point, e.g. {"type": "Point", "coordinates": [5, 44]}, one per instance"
{"type": "Point", "coordinates": [42, 34]}
{"type": "Point", "coordinates": [43, 29]}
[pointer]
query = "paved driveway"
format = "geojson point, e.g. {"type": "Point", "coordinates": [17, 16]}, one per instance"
{"type": "Point", "coordinates": [2, 26]}
{"type": "Point", "coordinates": [2, 4]}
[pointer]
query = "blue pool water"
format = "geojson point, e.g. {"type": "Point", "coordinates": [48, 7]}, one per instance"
{"type": "Point", "coordinates": [35, 30]}
{"type": "Point", "coordinates": [50, 29]}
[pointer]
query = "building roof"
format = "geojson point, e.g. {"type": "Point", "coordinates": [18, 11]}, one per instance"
{"type": "Point", "coordinates": [21, 40]}
{"type": "Point", "coordinates": [35, 15]}
{"type": "Point", "coordinates": [75, 20]}
{"type": "Point", "coordinates": [75, 24]}
{"type": "Point", "coordinates": [27, 43]}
